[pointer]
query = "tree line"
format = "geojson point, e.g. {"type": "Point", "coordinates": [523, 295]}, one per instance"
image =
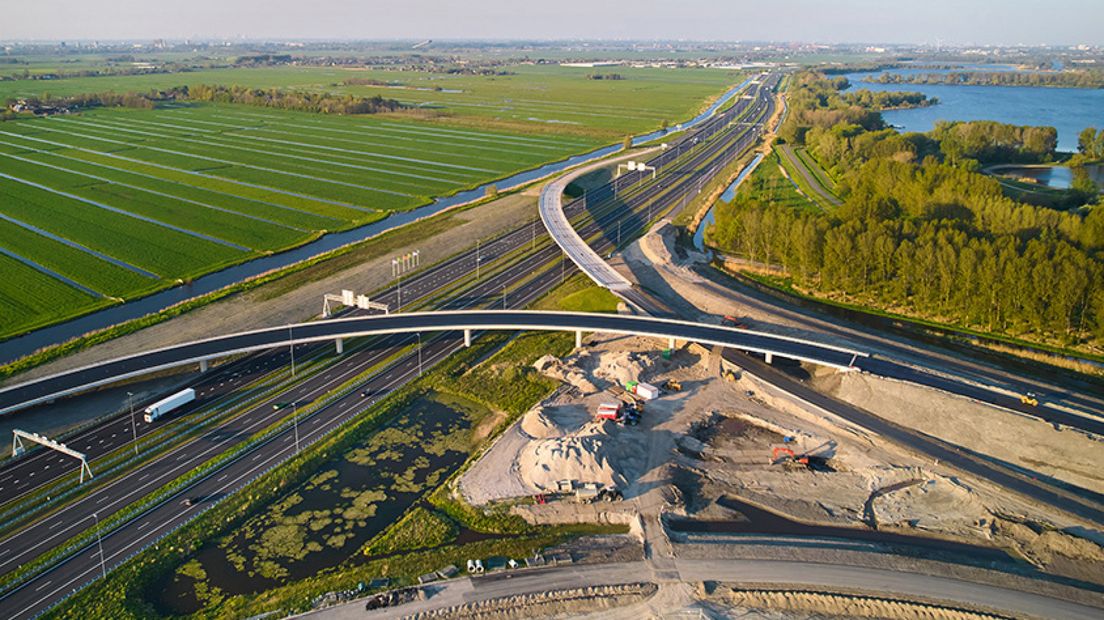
{"type": "Point", "coordinates": [325, 103]}
{"type": "Point", "coordinates": [888, 100]}
{"type": "Point", "coordinates": [1080, 78]}
{"type": "Point", "coordinates": [921, 231]}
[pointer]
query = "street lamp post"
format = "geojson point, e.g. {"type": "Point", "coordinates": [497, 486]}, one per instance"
{"type": "Point", "coordinates": [99, 543]}
{"type": "Point", "coordinates": [291, 347]}
{"type": "Point", "coordinates": [295, 422]}
{"type": "Point", "coordinates": [503, 296]}
{"type": "Point", "coordinates": [419, 334]}
{"type": "Point", "coordinates": [477, 259]}
{"type": "Point", "coordinates": [133, 424]}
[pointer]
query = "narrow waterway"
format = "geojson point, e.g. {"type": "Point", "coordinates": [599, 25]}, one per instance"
{"type": "Point", "coordinates": [727, 196]}
{"type": "Point", "coordinates": [26, 344]}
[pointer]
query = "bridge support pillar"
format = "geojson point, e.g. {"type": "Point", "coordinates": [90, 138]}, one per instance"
{"type": "Point", "coordinates": [467, 337]}
{"type": "Point", "coordinates": [340, 344]}
{"type": "Point", "coordinates": [578, 339]}
{"type": "Point", "coordinates": [202, 365]}
{"type": "Point", "coordinates": [769, 358]}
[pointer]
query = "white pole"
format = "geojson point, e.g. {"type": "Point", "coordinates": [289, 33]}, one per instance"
{"type": "Point", "coordinates": [295, 422]}
{"type": "Point", "coordinates": [398, 306]}
{"type": "Point", "coordinates": [419, 353]}
{"type": "Point", "coordinates": [133, 425]}
{"type": "Point", "coordinates": [99, 543]}
{"type": "Point", "coordinates": [291, 347]}
{"type": "Point", "coordinates": [477, 259]}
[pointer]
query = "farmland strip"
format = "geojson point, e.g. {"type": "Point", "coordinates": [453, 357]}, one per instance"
{"type": "Point", "coordinates": [77, 246]}
{"type": "Point", "coordinates": [125, 212]}
{"type": "Point", "coordinates": [53, 274]}
{"type": "Point", "coordinates": [233, 163]}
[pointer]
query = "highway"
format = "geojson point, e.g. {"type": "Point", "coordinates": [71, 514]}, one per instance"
{"type": "Point", "coordinates": [46, 589]}
{"type": "Point", "coordinates": [112, 371]}
{"type": "Point", "coordinates": [525, 280]}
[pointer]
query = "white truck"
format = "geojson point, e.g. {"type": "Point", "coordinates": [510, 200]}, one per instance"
{"type": "Point", "coordinates": [167, 404]}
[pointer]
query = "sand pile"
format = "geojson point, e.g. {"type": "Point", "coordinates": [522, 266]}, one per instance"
{"type": "Point", "coordinates": [542, 422]}
{"type": "Point", "coordinates": [587, 455]}
{"type": "Point", "coordinates": [617, 367]}
{"type": "Point", "coordinates": [551, 366]}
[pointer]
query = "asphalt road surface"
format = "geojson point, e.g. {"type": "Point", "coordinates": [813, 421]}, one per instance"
{"type": "Point", "coordinates": [878, 582]}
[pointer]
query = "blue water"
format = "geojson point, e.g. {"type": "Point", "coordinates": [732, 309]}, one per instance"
{"type": "Point", "coordinates": [1069, 110]}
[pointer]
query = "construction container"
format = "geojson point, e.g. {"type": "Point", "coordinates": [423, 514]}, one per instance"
{"type": "Point", "coordinates": [609, 411]}
{"type": "Point", "coordinates": [647, 391]}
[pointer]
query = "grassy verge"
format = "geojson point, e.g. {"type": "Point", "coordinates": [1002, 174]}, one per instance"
{"type": "Point", "coordinates": [795, 177]}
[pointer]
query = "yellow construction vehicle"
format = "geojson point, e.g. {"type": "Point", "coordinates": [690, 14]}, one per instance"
{"type": "Point", "coordinates": [673, 386]}
{"type": "Point", "coordinates": [1031, 399]}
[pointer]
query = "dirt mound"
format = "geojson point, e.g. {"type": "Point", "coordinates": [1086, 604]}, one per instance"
{"type": "Point", "coordinates": [588, 455]}
{"type": "Point", "coordinates": [543, 422]}
{"type": "Point", "coordinates": [936, 504]}
{"type": "Point", "coordinates": [551, 366]}
{"type": "Point", "coordinates": [618, 367]}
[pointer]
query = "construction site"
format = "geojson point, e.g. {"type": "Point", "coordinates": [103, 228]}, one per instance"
{"type": "Point", "coordinates": [704, 461]}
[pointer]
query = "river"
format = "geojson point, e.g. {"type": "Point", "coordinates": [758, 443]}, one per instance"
{"type": "Point", "coordinates": [28, 343]}
{"type": "Point", "coordinates": [1069, 110]}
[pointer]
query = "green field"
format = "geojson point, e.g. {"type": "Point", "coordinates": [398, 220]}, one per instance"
{"type": "Point", "coordinates": [547, 98]}
{"type": "Point", "coordinates": [111, 204]}
{"type": "Point", "coordinates": [123, 202]}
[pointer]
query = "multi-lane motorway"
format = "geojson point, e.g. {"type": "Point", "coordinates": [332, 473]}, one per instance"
{"type": "Point", "coordinates": [525, 280]}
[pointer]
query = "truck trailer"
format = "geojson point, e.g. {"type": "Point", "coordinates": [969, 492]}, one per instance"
{"type": "Point", "coordinates": [167, 404]}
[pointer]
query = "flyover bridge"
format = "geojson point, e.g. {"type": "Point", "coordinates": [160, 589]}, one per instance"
{"type": "Point", "coordinates": [81, 379]}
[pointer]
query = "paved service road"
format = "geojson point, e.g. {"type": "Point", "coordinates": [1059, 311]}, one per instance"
{"type": "Point", "coordinates": [878, 582]}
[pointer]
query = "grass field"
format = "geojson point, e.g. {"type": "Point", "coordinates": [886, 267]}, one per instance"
{"type": "Point", "coordinates": [531, 98]}
{"type": "Point", "coordinates": [769, 185]}
{"type": "Point", "coordinates": [115, 203]}
{"type": "Point", "coordinates": [112, 204]}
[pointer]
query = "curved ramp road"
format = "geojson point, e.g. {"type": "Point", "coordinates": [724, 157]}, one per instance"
{"type": "Point", "coordinates": [570, 241]}
{"type": "Point", "coordinates": [73, 381]}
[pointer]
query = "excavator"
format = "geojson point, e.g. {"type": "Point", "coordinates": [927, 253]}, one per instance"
{"type": "Point", "coordinates": [777, 450]}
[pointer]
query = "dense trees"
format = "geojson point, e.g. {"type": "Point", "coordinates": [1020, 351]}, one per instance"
{"type": "Point", "coordinates": [992, 142]}
{"type": "Point", "coordinates": [1064, 79]}
{"type": "Point", "coordinates": [1090, 144]}
{"type": "Point", "coordinates": [293, 100]}
{"type": "Point", "coordinates": [888, 100]}
{"type": "Point", "coordinates": [922, 232]}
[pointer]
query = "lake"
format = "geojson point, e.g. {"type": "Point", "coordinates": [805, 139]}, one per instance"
{"type": "Point", "coordinates": [1069, 110]}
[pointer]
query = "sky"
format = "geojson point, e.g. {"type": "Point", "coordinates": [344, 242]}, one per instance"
{"type": "Point", "coordinates": [951, 22]}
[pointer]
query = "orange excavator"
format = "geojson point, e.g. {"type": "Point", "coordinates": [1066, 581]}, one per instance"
{"type": "Point", "coordinates": [777, 450]}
